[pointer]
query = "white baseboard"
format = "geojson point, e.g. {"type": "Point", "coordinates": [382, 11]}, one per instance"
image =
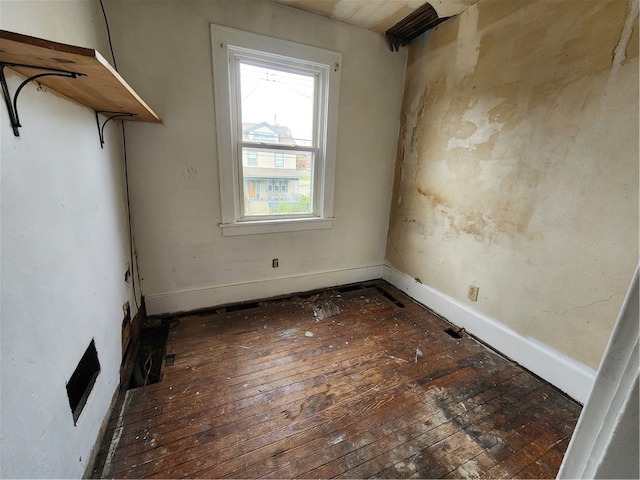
{"type": "Point", "coordinates": [210, 297]}
{"type": "Point", "coordinates": [567, 374]}
{"type": "Point", "coordinates": [570, 376]}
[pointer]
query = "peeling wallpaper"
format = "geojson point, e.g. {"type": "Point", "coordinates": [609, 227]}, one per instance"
{"type": "Point", "coordinates": [517, 166]}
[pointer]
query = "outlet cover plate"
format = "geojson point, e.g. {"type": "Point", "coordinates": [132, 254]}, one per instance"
{"type": "Point", "coordinates": [472, 293]}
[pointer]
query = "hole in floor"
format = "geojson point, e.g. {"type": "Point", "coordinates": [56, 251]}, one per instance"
{"type": "Point", "coordinates": [388, 296]}
{"type": "Point", "coordinates": [452, 333]}
{"type": "Point", "coordinates": [350, 288]}
{"type": "Point", "coordinates": [148, 367]}
{"type": "Point", "coordinates": [242, 306]}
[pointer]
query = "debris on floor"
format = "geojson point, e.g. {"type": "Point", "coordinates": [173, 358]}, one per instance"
{"type": "Point", "coordinates": [325, 309]}
{"type": "Point", "coordinates": [244, 402]}
{"type": "Point", "coordinates": [290, 332]}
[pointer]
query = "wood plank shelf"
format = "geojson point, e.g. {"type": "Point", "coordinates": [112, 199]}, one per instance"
{"type": "Point", "coordinates": [96, 84]}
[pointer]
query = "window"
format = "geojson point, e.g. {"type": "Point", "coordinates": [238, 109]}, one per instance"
{"type": "Point", "coordinates": [252, 158]}
{"type": "Point", "coordinates": [263, 137]}
{"type": "Point", "coordinates": [276, 107]}
{"type": "Point", "coordinates": [276, 185]}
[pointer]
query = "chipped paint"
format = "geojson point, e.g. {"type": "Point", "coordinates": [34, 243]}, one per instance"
{"type": "Point", "coordinates": [619, 53]}
{"type": "Point", "coordinates": [517, 165]}
{"type": "Point", "coordinates": [468, 44]}
{"type": "Point", "coordinates": [449, 8]}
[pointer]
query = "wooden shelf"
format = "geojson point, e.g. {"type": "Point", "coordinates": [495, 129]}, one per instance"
{"type": "Point", "coordinates": [101, 88]}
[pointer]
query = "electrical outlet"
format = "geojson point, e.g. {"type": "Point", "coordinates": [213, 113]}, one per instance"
{"type": "Point", "coordinates": [472, 293]}
{"type": "Point", "coordinates": [275, 263]}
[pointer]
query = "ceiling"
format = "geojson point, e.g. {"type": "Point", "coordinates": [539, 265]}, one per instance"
{"type": "Point", "coordinates": [376, 15]}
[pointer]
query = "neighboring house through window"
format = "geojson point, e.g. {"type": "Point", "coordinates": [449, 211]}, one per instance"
{"type": "Point", "coordinates": [276, 117]}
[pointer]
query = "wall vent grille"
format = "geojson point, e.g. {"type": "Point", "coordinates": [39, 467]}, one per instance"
{"type": "Point", "coordinates": [82, 380]}
{"type": "Point", "coordinates": [412, 26]}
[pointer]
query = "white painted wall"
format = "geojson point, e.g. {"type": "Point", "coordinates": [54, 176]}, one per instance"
{"type": "Point", "coordinates": [64, 254]}
{"type": "Point", "coordinates": [163, 49]}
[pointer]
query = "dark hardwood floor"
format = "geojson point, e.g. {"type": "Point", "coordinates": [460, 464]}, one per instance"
{"type": "Point", "coordinates": [381, 390]}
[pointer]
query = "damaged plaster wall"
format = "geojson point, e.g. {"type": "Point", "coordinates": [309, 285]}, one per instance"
{"type": "Point", "coordinates": [517, 166]}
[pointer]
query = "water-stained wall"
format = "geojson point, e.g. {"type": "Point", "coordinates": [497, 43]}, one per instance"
{"type": "Point", "coordinates": [517, 166]}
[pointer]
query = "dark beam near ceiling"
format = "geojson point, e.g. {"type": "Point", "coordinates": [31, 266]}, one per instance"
{"type": "Point", "coordinates": [412, 26]}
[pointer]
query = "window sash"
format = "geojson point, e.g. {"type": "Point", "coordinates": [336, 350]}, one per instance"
{"type": "Point", "coordinates": [263, 59]}
{"type": "Point", "coordinates": [314, 200]}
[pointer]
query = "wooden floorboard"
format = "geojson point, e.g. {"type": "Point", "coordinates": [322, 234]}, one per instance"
{"type": "Point", "coordinates": [380, 390]}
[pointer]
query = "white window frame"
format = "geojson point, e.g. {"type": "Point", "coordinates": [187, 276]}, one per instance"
{"type": "Point", "coordinates": [230, 44]}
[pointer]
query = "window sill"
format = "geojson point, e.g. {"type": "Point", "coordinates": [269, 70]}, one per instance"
{"type": "Point", "coordinates": [275, 226]}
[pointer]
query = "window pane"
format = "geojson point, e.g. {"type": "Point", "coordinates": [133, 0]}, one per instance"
{"type": "Point", "coordinates": [277, 106]}
{"type": "Point", "coordinates": [271, 190]}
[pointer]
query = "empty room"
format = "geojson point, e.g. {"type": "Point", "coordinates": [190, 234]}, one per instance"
{"type": "Point", "coordinates": [319, 238]}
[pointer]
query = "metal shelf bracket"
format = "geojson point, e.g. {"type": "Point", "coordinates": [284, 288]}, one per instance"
{"type": "Point", "coordinates": [110, 116]}
{"type": "Point", "coordinates": [12, 104]}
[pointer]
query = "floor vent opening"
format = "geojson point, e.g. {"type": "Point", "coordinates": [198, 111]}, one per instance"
{"type": "Point", "coordinates": [350, 288]}
{"type": "Point", "coordinates": [453, 333]}
{"type": "Point", "coordinates": [242, 306]}
{"type": "Point", "coordinates": [390, 297]}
